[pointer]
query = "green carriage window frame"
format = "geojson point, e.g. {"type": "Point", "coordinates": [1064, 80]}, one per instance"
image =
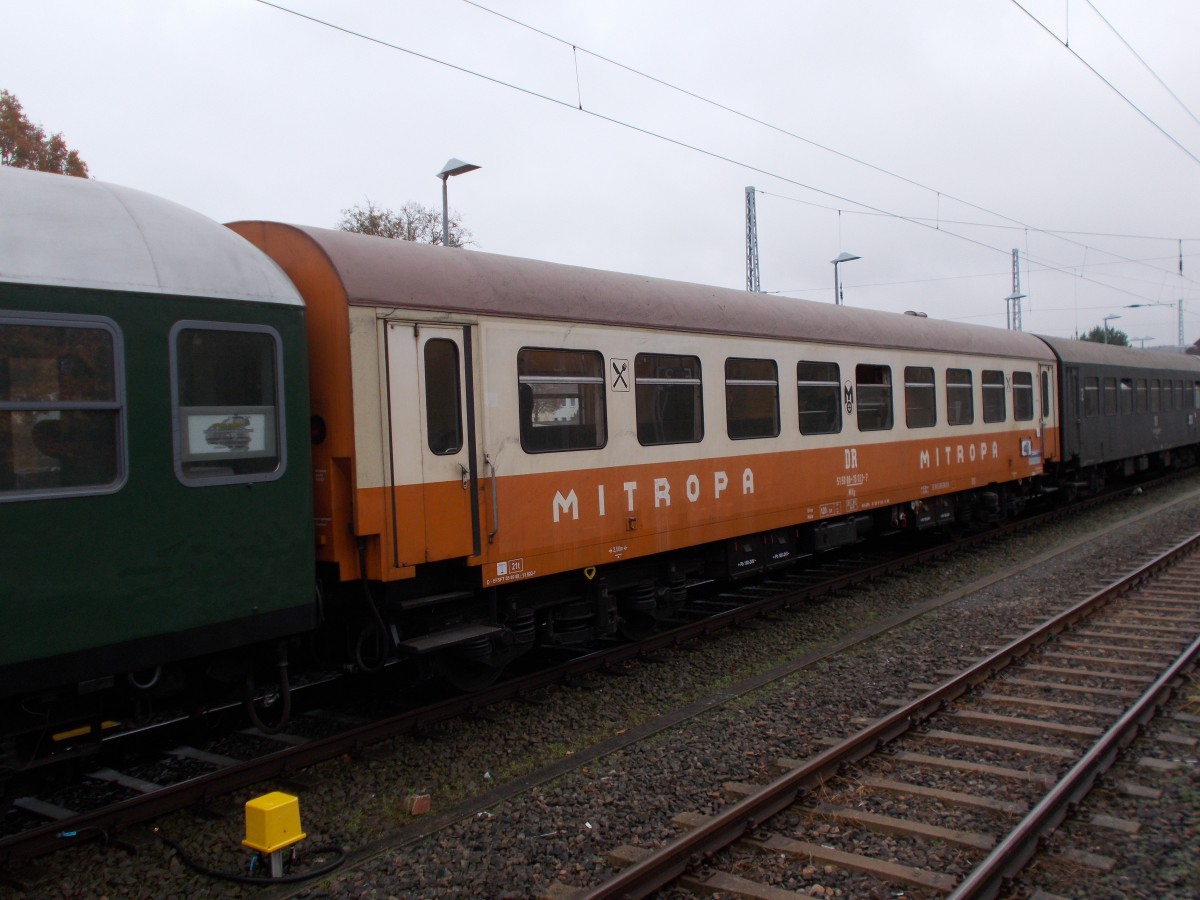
{"type": "Point", "coordinates": [1156, 394]}
{"type": "Point", "coordinates": [819, 397]}
{"type": "Point", "coordinates": [669, 396]}
{"type": "Point", "coordinates": [227, 403]}
{"type": "Point", "coordinates": [920, 397]}
{"type": "Point", "coordinates": [873, 385]}
{"type": "Point", "coordinates": [751, 398]}
{"type": "Point", "coordinates": [1022, 386]}
{"type": "Point", "coordinates": [995, 408]}
{"type": "Point", "coordinates": [562, 401]}
{"type": "Point", "coordinates": [62, 406]}
{"type": "Point", "coordinates": [960, 397]}
{"type": "Point", "coordinates": [1168, 401]}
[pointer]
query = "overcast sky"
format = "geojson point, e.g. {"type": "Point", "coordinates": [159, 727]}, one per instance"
{"type": "Point", "coordinates": [965, 129]}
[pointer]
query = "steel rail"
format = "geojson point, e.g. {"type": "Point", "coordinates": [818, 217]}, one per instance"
{"type": "Point", "coordinates": [1013, 853]}
{"type": "Point", "coordinates": [689, 850]}
{"type": "Point", "coordinates": [88, 825]}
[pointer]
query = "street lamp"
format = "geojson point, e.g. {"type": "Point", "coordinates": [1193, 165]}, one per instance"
{"type": "Point", "coordinates": [1106, 318]}
{"type": "Point", "coordinates": [452, 167]}
{"type": "Point", "coordinates": [837, 286]}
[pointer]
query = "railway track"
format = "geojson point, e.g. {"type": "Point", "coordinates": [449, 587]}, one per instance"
{"type": "Point", "coordinates": [186, 775]}
{"type": "Point", "coordinates": [1022, 735]}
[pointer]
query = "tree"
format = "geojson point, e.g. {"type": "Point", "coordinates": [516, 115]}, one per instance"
{"type": "Point", "coordinates": [1115, 336]}
{"type": "Point", "coordinates": [24, 145]}
{"type": "Point", "coordinates": [412, 222]}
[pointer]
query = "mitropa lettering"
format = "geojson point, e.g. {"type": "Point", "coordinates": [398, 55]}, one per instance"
{"type": "Point", "coordinates": [661, 492]}
{"type": "Point", "coordinates": [958, 454]}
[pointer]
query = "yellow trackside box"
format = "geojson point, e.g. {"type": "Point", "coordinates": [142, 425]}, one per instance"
{"type": "Point", "coordinates": [272, 822]}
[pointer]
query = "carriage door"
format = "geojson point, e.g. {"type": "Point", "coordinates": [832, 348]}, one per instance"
{"type": "Point", "coordinates": [441, 371]}
{"type": "Point", "coordinates": [1046, 408]}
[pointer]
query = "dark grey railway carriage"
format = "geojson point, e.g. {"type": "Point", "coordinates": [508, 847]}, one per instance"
{"type": "Point", "coordinates": [1126, 408]}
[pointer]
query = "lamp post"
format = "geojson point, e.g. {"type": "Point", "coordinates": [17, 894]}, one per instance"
{"type": "Point", "coordinates": [1156, 303]}
{"type": "Point", "coordinates": [452, 167]}
{"type": "Point", "coordinates": [1106, 318]}
{"type": "Point", "coordinates": [837, 285]}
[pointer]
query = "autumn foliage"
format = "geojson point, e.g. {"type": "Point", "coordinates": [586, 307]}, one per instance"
{"type": "Point", "coordinates": [24, 145]}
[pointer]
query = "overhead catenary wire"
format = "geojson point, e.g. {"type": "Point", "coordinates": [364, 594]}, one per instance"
{"type": "Point", "coordinates": [577, 105]}
{"type": "Point", "coordinates": [712, 154]}
{"type": "Point", "coordinates": [575, 47]}
{"type": "Point", "coordinates": [1145, 64]}
{"type": "Point", "coordinates": [1141, 112]}
{"type": "Point", "coordinates": [937, 223]}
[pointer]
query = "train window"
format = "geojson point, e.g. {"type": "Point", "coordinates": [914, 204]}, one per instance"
{"type": "Point", "coordinates": [1180, 400]}
{"type": "Point", "coordinates": [61, 406]}
{"type": "Point", "coordinates": [227, 392]}
{"type": "Point", "coordinates": [751, 398]}
{"type": "Point", "coordinates": [1155, 395]}
{"type": "Point", "coordinates": [667, 392]}
{"type": "Point", "coordinates": [960, 402]}
{"type": "Point", "coordinates": [1111, 406]}
{"type": "Point", "coordinates": [443, 397]}
{"type": "Point", "coordinates": [1195, 395]}
{"type": "Point", "coordinates": [873, 385]}
{"type": "Point", "coordinates": [994, 407]}
{"type": "Point", "coordinates": [1045, 394]}
{"type": "Point", "coordinates": [920, 397]}
{"type": "Point", "coordinates": [562, 401]}
{"type": "Point", "coordinates": [819, 387]}
{"type": "Point", "coordinates": [1168, 401]}
{"type": "Point", "coordinates": [1091, 396]}
{"type": "Point", "coordinates": [1126, 396]}
{"type": "Point", "coordinates": [1139, 396]}
{"type": "Point", "coordinates": [1022, 383]}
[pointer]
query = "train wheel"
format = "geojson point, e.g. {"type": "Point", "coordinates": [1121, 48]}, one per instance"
{"type": "Point", "coordinates": [270, 707]}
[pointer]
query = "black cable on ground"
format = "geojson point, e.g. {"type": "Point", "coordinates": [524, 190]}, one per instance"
{"type": "Point", "coordinates": [237, 878]}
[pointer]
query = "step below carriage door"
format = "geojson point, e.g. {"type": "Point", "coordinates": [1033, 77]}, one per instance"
{"type": "Point", "coordinates": [432, 398]}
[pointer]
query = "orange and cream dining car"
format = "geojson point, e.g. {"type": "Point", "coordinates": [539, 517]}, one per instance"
{"type": "Point", "coordinates": [508, 450]}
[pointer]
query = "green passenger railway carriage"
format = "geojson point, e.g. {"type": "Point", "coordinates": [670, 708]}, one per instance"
{"type": "Point", "coordinates": [154, 450]}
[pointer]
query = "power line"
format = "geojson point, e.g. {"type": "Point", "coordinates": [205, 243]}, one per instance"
{"type": "Point", "coordinates": [1054, 232]}
{"type": "Point", "coordinates": [937, 223]}
{"type": "Point", "coordinates": [1109, 84]}
{"type": "Point", "coordinates": [1138, 57]}
{"type": "Point", "coordinates": [575, 48]}
{"type": "Point", "coordinates": [779, 129]}
{"type": "Point", "coordinates": [670, 140]}
{"type": "Point", "coordinates": [712, 154]}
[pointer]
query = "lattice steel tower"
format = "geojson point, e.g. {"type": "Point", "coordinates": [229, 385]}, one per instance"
{"type": "Point", "coordinates": [1014, 299]}
{"type": "Point", "coordinates": [752, 283]}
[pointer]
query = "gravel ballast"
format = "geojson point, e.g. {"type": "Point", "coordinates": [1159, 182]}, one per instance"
{"type": "Point", "coordinates": [560, 830]}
